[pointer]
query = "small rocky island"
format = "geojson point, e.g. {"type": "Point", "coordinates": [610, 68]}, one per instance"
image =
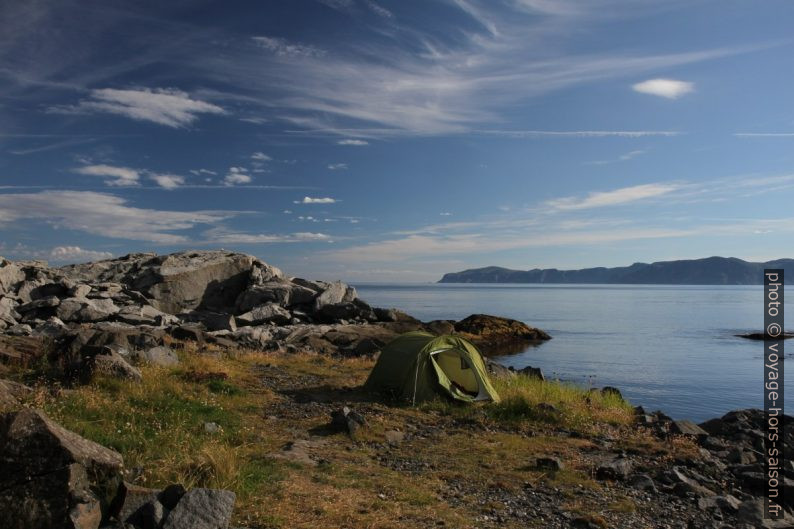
{"type": "Point", "coordinates": [206, 389]}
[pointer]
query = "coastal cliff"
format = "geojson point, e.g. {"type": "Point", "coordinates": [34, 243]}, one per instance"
{"type": "Point", "coordinates": [708, 271]}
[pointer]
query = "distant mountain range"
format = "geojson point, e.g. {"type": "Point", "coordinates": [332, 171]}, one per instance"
{"type": "Point", "coordinates": [708, 271]}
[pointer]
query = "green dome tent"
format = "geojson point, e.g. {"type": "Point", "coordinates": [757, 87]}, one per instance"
{"type": "Point", "coordinates": [418, 366]}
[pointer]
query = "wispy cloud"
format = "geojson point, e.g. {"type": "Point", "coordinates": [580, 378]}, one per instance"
{"type": "Point", "coordinates": [114, 176]}
{"type": "Point", "coordinates": [379, 9]}
{"type": "Point", "coordinates": [261, 157]}
{"type": "Point", "coordinates": [224, 236]}
{"type": "Point", "coordinates": [316, 200]}
{"type": "Point", "coordinates": [764, 134]}
{"type": "Point", "coordinates": [103, 214]}
{"type": "Point", "coordinates": [169, 107]}
{"type": "Point", "coordinates": [623, 195]}
{"type": "Point", "coordinates": [357, 143]}
{"type": "Point", "coordinates": [337, 166]}
{"type": "Point", "coordinates": [622, 158]}
{"type": "Point", "coordinates": [580, 133]}
{"type": "Point", "coordinates": [284, 48]}
{"type": "Point", "coordinates": [668, 88]}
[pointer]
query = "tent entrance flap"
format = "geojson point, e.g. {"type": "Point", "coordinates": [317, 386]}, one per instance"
{"type": "Point", "coordinates": [457, 370]}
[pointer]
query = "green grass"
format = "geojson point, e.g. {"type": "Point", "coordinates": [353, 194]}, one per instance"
{"type": "Point", "coordinates": [523, 399]}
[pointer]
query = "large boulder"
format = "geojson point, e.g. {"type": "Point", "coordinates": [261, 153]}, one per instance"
{"type": "Point", "coordinates": [11, 274]}
{"type": "Point", "coordinates": [270, 312]}
{"type": "Point", "coordinates": [51, 477]}
{"type": "Point", "coordinates": [85, 310]}
{"type": "Point", "coordinates": [11, 392]}
{"type": "Point", "coordinates": [8, 312]}
{"type": "Point", "coordinates": [183, 281]}
{"type": "Point", "coordinates": [276, 292]}
{"type": "Point", "coordinates": [494, 328]}
{"type": "Point", "coordinates": [334, 293]}
{"type": "Point", "coordinates": [202, 509]}
{"type": "Point", "coordinates": [189, 280]}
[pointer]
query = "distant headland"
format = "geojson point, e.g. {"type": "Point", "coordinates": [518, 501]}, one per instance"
{"type": "Point", "coordinates": [707, 271]}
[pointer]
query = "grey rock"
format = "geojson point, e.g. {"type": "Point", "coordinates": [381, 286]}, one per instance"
{"type": "Point", "coordinates": [80, 290]}
{"type": "Point", "coordinates": [610, 390]}
{"type": "Point", "coordinates": [114, 365]}
{"type": "Point", "coordinates": [11, 392]}
{"type": "Point", "coordinates": [549, 463]}
{"type": "Point", "coordinates": [11, 275]}
{"type": "Point", "coordinates": [347, 419]}
{"type": "Point", "coordinates": [727, 503]}
{"type": "Point", "coordinates": [688, 428]}
{"type": "Point", "coordinates": [256, 337]}
{"type": "Point", "coordinates": [336, 292]}
{"type": "Point", "coordinates": [211, 427]}
{"type": "Point", "coordinates": [8, 312]}
{"type": "Point", "coordinates": [532, 372]}
{"type": "Point", "coordinates": [41, 303]}
{"type": "Point", "coordinates": [20, 329]}
{"type": "Point", "coordinates": [301, 295]}
{"type": "Point", "coordinates": [202, 509]}
{"type": "Point", "coordinates": [394, 437]}
{"type": "Point", "coordinates": [145, 314]}
{"type": "Point", "coordinates": [617, 469]}
{"type": "Point", "coordinates": [265, 314]}
{"type": "Point", "coordinates": [51, 477]}
{"type": "Point", "coordinates": [85, 310]}
{"type": "Point", "coordinates": [159, 356]}
{"type": "Point", "coordinates": [642, 482]}
{"type": "Point", "coordinates": [214, 321]}
{"type": "Point", "coordinates": [276, 292]}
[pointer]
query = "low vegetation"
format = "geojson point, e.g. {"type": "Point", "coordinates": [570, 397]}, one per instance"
{"type": "Point", "coordinates": [222, 420]}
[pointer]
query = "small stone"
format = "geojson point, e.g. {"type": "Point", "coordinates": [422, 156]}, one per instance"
{"type": "Point", "coordinates": [688, 428]}
{"type": "Point", "coordinates": [642, 482]}
{"type": "Point", "coordinates": [211, 427]}
{"type": "Point", "coordinates": [394, 437]}
{"type": "Point", "coordinates": [549, 463]}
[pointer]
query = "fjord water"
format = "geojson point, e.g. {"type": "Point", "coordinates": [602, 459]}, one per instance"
{"type": "Point", "coordinates": [665, 347]}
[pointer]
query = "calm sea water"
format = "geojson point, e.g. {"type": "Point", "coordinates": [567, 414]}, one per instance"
{"type": "Point", "coordinates": [665, 347]}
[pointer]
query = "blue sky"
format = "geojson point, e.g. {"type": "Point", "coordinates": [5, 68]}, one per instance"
{"type": "Point", "coordinates": [372, 140]}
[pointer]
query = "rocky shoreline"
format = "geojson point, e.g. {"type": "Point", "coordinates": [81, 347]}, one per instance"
{"type": "Point", "coordinates": [111, 317]}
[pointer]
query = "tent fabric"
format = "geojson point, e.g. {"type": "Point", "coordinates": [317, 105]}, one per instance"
{"type": "Point", "coordinates": [418, 366]}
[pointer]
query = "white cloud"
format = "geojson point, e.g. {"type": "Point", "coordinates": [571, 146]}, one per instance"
{"type": "Point", "coordinates": [287, 212]}
{"type": "Point", "coordinates": [353, 142]}
{"type": "Point", "coordinates": [318, 200]}
{"type": "Point", "coordinates": [168, 181]}
{"type": "Point", "coordinates": [580, 133]}
{"type": "Point", "coordinates": [445, 214]}
{"type": "Point", "coordinates": [669, 88]}
{"type": "Point", "coordinates": [103, 214]}
{"type": "Point", "coordinates": [236, 176]}
{"type": "Point", "coordinates": [261, 157]}
{"type": "Point", "coordinates": [337, 166]}
{"type": "Point", "coordinates": [169, 107]}
{"type": "Point", "coordinates": [611, 198]}
{"type": "Point", "coordinates": [631, 154]}
{"type": "Point", "coordinates": [223, 236]}
{"type": "Point", "coordinates": [117, 176]}
{"type": "Point", "coordinates": [75, 254]}
{"type": "Point", "coordinates": [764, 134]}
{"type": "Point", "coordinates": [284, 48]}
{"type": "Point", "coordinates": [199, 172]}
